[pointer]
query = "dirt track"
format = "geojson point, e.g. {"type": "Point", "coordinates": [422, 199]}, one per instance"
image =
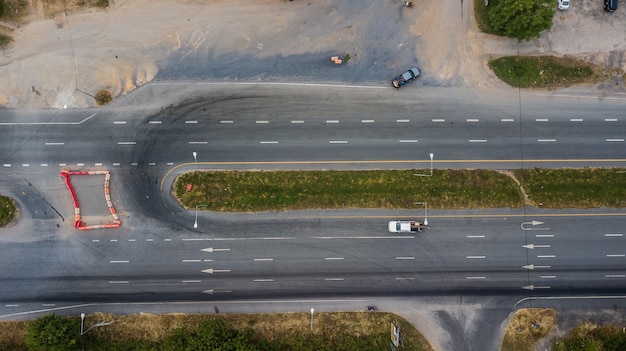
{"type": "Point", "coordinates": [59, 61]}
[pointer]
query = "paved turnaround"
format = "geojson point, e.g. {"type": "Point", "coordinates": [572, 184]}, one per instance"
{"type": "Point", "coordinates": [493, 257]}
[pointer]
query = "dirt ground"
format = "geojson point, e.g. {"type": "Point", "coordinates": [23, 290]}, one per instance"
{"type": "Point", "coordinates": [63, 55]}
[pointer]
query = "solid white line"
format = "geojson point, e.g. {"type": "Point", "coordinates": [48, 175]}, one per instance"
{"type": "Point", "coordinates": [365, 237]}
{"type": "Point", "coordinates": [546, 140]}
{"type": "Point", "coordinates": [338, 142]}
{"type": "Point", "coordinates": [541, 120]}
{"type": "Point", "coordinates": [475, 277]}
{"type": "Point", "coordinates": [262, 122]}
{"type": "Point", "coordinates": [191, 261]}
{"type": "Point", "coordinates": [478, 140]}
{"type": "Point", "coordinates": [126, 143]}
{"type": "Point", "coordinates": [297, 122]}
{"type": "Point", "coordinates": [191, 122]}
{"type": "Point", "coordinates": [438, 120]}
{"type": "Point", "coordinates": [191, 281]}
{"type": "Point", "coordinates": [544, 236]}
{"type": "Point", "coordinates": [402, 121]}
{"type": "Point", "coordinates": [333, 279]}
{"type": "Point", "coordinates": [198, 142]}
{"type": "Point", "coordinates": [155, 122]}
{"type": "Point", "coordinates": [119, 261]}
{"type": "Point", "coordinates": [616, 255]}
{"type": "Point", "coordinates": [612, 140]}
{"type": "Point", "coordinates": [333, 258]}
{"type": "Point", "coordinates": [610, 119]}
{"type": "Point", "coordinates": [613, 234]}
{"type": "Point", "coordinates": [44, 165]}
{"type": "Point", "coordinates": [263, 259]}
{"type": "Point", "coordinates": [367, 121]}
{"type": "Point", "coordinates": [268, 142]}
{"type": "Point", "coordinates": [54, 144]}
{"type": "Point", "coordinates": [476, 257]}
{"type": "Point", "coordinates": [615, 276]}
{"type": "Point", "coordinates": [507, 120]}
{"type": "Point", "coordinates": [547, 276]}
{"type": "Point", "coordinates": [475, 236]}
{"type": "Point", "coordinates": [408, 141]}
{"type": "Point", "coordinates": [405, 258]}
{"type": "Point", "coordinates": [118, 282]}
{"type": "Point", "coordinates": [263, 280]}
{"type": "Point", "coordinates": [575, 119]}
{"type": "Point", "coordinates": [472, 120]}
{"type": "Point", "coordinates": [332, 121]}
{"type": "Point", "coordinates": [119, 122]}
{"type": "Point", "coordinates": [546, 256]}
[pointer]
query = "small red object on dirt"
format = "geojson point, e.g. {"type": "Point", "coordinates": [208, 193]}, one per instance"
{"type": "Point", "coordinates": [189, 186]}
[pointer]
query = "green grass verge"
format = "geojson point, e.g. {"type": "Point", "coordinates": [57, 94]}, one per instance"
{"type": "Point", "coordinates": [575, 188]}
{"type": "Point", "coordinates": [7, 210]}
{"type": "Point", "coordinates": [481, 13]}
{"type": "Point", "coordinates": [233, 191]}
{"type": "Point", "coordinates": [544, 72]}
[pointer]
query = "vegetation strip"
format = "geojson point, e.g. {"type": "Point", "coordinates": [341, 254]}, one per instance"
{"type": "Point", "coordinates": [237, 191]}
{"type": "Point", "coordinates": [543, 72]}
{"type": "Point", "coordinates": [7, 210]}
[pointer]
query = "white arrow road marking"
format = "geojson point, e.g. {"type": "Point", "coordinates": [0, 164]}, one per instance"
{"type": "Point", "coordinates": [211, 270]}
{"type": "Point", "coordinates": [532, 266]}
{"type": "Point", "coordinates": [533, 246]}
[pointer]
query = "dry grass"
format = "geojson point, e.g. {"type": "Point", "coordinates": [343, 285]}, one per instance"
{"type": "Point", "coordinates": [526, 327]}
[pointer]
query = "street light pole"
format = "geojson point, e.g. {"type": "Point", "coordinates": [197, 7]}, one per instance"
{"type": "Point", "coordinates": [82, 323]}
{"type": "Point", "coordinates": [312, 310]}
{"type": "Point", "coordinates": [425, 211]}
{"type": "Point", "coordinates": [100, 324]}
{"type": "Point", "coordinates": [195, 159]}
{"type": "Point", "coordinates": [195, 223]}
{"type": "Point", "coordinates": [432, 156]}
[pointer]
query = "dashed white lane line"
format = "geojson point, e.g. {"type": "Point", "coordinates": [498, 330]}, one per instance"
{"type": "Point", "coordinates": [544, 235]}
{"type": "Point", "coordinates": [615, 255]}
{"type": "Point", "coordinates": [333, 279]}
{"type": "Point", "coordinates": [131, 240]}
{"type": "Point", "coordinates": [547, 276]}
{"type": "Point", "coordinates": [54, 144]}
{"type": "Point", "coordinates": [25, 165]}
{"type": "Point", "coordinates": [262, 122]}
{"type": "Point", "coordinates": [404, 278]}
{"type": "Point", "coordinates": [80, 164]}
{"type": "Point", "coordinates": [614, 234]}
{"type": "Point", "coordinates": [155, 122]}
{"type": "Point", "coordinates": [119, 122]}
{"type": "Point", "coordinates": [98, 164]}
{"type": "Point", "coordinates": [476, 257]}
{"type": "Point", "coordinates": [126, 143]}
{"type": "Point", "coordinates": [338, 142]}
{"type": "Point", "coordinates": [149, 240]}
{"type": "Point", "coordinates": [95, 240]}
{"type": "Point", "coordinates": [11, 305]}
{"type": "Point", "coordinates": [475, 236]}
{"type": "Point", "coordinates": [333, 258]}
{"type": "Point", "coordinates": [44, 165]}
{"type": "Point", "coordinates": [405, 257]}
{"type": "Point", "coordinates": [118, 282]}
{"type": "Point", "coordinates": [297, 122]}
{"type": "Point", "coordinates": [268, 142]}
{"type": "Point", "coordinates": [541, 120]}
{"type": "Point", "coordinates": [170, 163]}
{"type": "Point", "coordinates": [615, 140]}
{"type": "Point", "coordinates": [575, 119]}
{"type": "Point", "coordinates": [191, 261]}
{"type": "Point", "coordinates": [134, 164]}
{"type": "Point", "coordinates": [263, 259]}
{"type": "Point", "coordinates": [6, 165]}
{"type": "Point", "coordinates": [472, 120]}
{"type": "Point", "coordinates": [62, 165]}
{"type": "Point", "coordinates": [151, 164]}
{"type": "Point", "coordinates": [333, 121]}
{"type": "Point", "coordinates": [48, 304]}
{"type": "Point", "coordinates": [507, 120]}
{"type": "Point", "coordinates": [615, 276]}
{"type": "Point", "coordinates": [610, 119]}
{"type": "Point", "coordinates": [198, 142]}
{"type": "Point", "coordinates": [113, 240]}
{"type": "Point", "coordinates": [119, 261]}
{"type": "Point", "coordinates": [478, 140]}
{"type": "Point", "coordinates": [407, 141]}
{"type": "Point", "coordinates": [546, 140]}
{"type": "Point", "coordinates": [263, 280]}
{"type": "Point", "coordinates": [116, 164]}
{"type": "Point", "coordinates": [402, 121]}
{"type": "Point", "coordinates": [191, 281]}
{"type": "Point", "coordinates": [367, 121]}
{"type": "Point", "coordinates": [438, 120]}
{"type": "Point", "coordinates": [476, 277]}
{"type": "Point", "coordinates": [546, 256]}
{"type": "Point", "coordinates": [191, 122]}
{"type": "Point", "coordinates": [167, 240]}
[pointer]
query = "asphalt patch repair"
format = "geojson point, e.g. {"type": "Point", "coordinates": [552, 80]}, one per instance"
{"type": "Point", "coordinates": [96, 207]}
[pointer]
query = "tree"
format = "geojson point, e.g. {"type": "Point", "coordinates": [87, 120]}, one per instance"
{"type": "Point", "coordinates": [521, 19]}
{"type": "Point", "coordinates": [52, 333]}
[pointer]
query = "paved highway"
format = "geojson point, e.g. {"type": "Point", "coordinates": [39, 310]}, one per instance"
{"type": "Point", "coordinates": [157, 255]}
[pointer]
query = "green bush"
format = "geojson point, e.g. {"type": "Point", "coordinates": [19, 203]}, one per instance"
{"type": "Point", "coordinates": [53, 333]}
{"type": "Point", "coordinates": [103, 97]}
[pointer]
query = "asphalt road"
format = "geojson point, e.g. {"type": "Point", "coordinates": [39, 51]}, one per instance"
{"type": "Point", "coordinates": [157, 255]}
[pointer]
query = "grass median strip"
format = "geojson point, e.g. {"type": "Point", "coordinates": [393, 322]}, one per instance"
{"type": "Point", "coordinates": [250, 191]}
{"type": "Point", "coordinates": [7, 210]}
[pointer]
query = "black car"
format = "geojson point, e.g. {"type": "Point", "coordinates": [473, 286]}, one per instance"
{"type": "Point", "coordinates": [610, 5]}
